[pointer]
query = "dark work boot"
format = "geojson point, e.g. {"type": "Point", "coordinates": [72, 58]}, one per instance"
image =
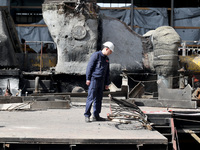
{"type": "Point", "coordinates": [98, 119]}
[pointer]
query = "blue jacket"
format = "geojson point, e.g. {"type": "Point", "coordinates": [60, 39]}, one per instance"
{"type": "Point", "coordinates": [98, 67]}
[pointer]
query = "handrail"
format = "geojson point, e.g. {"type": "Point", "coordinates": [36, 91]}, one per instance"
{"type": "Point", "coordinates": [41, 52]}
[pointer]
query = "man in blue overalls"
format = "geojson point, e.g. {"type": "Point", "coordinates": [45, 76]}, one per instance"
{"type": "Point", "coordinates": [97, 76]}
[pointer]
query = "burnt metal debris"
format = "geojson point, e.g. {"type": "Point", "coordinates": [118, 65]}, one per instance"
{"type": "Point", "coordinates": [126, 111]}
{"type": "Point", "coordinates": [77, 31]}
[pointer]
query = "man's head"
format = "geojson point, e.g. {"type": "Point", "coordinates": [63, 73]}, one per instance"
{"type": "Point", "coordinates": [108, 48]}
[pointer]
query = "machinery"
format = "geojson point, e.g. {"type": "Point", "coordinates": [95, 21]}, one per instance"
{"type": "Point", "coordinates": [78, 30]}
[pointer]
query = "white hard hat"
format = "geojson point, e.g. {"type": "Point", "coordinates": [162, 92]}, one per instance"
{"type": "Point", "coordinates": [110, 45]}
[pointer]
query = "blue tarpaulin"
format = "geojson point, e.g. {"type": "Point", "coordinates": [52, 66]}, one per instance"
{"type": "Point", "coordinates": [145, 20]}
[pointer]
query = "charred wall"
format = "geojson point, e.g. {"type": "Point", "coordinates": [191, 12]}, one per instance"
{"type": "Point", "coordinates": [75, 34]}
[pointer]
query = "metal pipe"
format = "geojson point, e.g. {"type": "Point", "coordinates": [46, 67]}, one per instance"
{"type": "Point", "coordinates": [9, 6]}
{"type": "Point", "coordinates": [25, 47]}
{"type": "Point", "coordinates": [173, 130]}
{"type": "Point", "coordinates": [37, 84]}
{"type": "Point", "coordinates": [132, 17]}
{"type": "Point", "coordinates": [184, 48]}
{"type": "Point", "coordinates": [25, 56]}
{"type": "Point", "coordinates": [41, 60]}
{"type": "Point", "coordinates": [181, 81]}
{"type": "Point", "coordinates": [172, 13]}
{"type": "Point", "coordinates": [41, 57]}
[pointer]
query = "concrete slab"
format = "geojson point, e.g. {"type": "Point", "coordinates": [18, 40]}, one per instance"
{"type": "Point", "coordinates": [166, 103]}
{"type": "Point", "coordinates": [67, 126]}
{"type": "Point", "coordinates": [50, 105]}
{"type": "Point", "coordinates": [10, 99]}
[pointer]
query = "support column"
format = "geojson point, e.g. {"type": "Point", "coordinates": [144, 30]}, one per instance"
{"type": "Point", "coordinates": [132, 18]}
{"type": "Point", "coordinates": [172, 14]}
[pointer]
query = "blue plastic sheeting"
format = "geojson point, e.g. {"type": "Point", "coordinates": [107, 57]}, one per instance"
{"type": "Point", "coordinates": [123, 15]}
{"type": "Point", "coordinates": [155, 17]}
{"type": "Point", "coordinates": [145, 19]}
{"type": "Point", "coordinates": [185, 13]}
{"type": "Point", "coordinates": [3, 2]}
{"type": "Point", "coordinates": [34, 34]}
{"type": "Point", "coordinates": [188, 17]}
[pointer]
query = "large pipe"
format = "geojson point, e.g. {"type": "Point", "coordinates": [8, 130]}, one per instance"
{"type": "Point", "coordinates": [37, 84]}
{"type": "Point", "coordinates": [9, 6]}
{"type": "Point", "coordinates": [172, 13]}
{"type": "Point", "coordinates": [41, 60]}
{"type": "Point", "coordinates": [132, 18]}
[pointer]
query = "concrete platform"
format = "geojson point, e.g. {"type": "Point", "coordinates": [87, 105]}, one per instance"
{"type": "Point", "coordinates": [67, 126]}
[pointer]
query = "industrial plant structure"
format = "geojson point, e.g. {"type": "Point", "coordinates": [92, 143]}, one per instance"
{"type": "Point", "coordinates": [45, 46]}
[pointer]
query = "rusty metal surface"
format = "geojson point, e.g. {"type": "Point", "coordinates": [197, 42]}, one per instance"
{"type": "Point", "coordinates": [32, 61]}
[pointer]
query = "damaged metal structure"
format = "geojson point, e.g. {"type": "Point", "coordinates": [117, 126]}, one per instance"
{"type": "Point", "coordinates": [141, 64]}
{"type": "Point", "coordinates": [75, 32]}
{"type": "Point", "coordinates": [78, 31]}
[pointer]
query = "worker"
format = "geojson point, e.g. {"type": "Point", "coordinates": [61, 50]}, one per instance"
{"type": "Point", "coordinates": [8, 92]}
{"type": "Point", "coordinates": [97, 76]}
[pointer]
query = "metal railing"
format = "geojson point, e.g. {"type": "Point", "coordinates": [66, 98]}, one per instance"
{"type": "Point", "coordinates": [41, 52]}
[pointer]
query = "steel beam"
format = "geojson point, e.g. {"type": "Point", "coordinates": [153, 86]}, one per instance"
{"type": "Point", "coordinates": [172, 13]}
{"type": "Point", "coordinates": [132, 13]}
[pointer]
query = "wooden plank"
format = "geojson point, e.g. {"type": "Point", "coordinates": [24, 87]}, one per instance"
{"type": "Point", "coordinates": [15, 106]}
{"type": "Point", "coordinates": [3, 6]}
{"type": "Point", "coordinates": [10, 99]}
{"type": "Point", "coordinates": [183, 27]}
{"type": "Point", "coordinates": [85, 94]}
{"type": "Point", "coordinates": [126, 8]}
{"type": "Point", "coordinates": [29, 7]}
{"type": "Point", "coordinates": [38, 105]}
{"type": "Point", "coordinates": [195, 137]}
{"type": "Point", "coordinates": [30, 25]}
{"type": "Point", "coordinates": [193, 134]}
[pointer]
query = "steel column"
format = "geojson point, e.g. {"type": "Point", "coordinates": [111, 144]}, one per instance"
{"type": "Point", "coordinates": [132, 17]}
{"type": "Point", "coordinates": [172, 14]}
{"type": "Point", "coordinates": [173, 131]}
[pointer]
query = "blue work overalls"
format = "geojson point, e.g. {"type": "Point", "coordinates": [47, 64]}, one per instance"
{"type": "Point", "coordinates": [98, 74]}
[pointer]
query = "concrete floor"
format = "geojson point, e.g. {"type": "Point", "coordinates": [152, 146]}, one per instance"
{"type": "Point", "coordinates": [67, 126]}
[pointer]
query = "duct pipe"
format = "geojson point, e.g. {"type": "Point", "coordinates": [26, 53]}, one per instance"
{"type": "Point", "coordinates": [41, 60]}
{"type": "Point", "coordinates": [9, 6]}
{"type": "Point", "coordinates": [132, 18]}
{"type": "Point", "coordinates": [172, 13]}
{"type": "Point", "coordinates": [37, 84]}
